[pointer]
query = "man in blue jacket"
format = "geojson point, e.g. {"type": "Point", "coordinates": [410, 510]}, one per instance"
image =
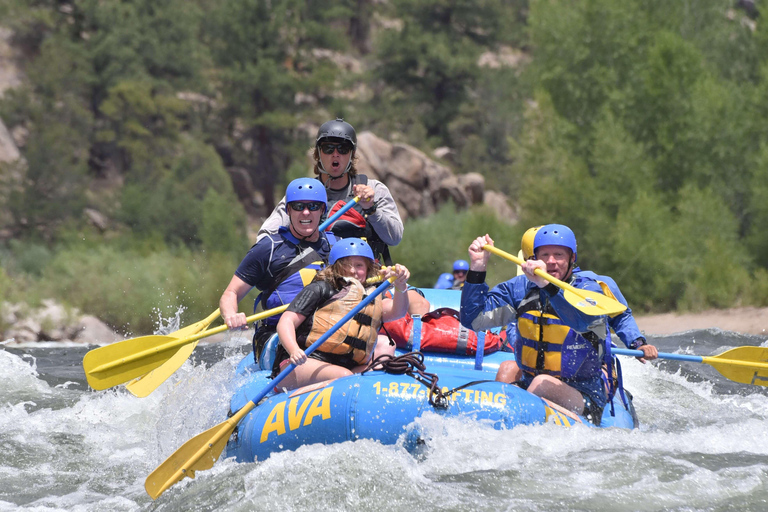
{"type": "Point", "coordinates": [558, 349]}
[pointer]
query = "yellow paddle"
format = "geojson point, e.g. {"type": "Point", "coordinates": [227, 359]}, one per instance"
{"type": "Point", "coordinates": [144, 385]}
{"type": "Point", "coordinates": [200, 452]}
{"type": "Point", "coordinates": [134, 359]}
{"type": "Point", "coordinates": [123, 361]}
{"type": "Point", "coordinates": [591, 303]}
{"type": "Point", "coordinates": [747, 365]}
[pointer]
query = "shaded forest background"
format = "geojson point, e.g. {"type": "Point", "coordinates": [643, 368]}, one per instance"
{"type": "Point", "coordinates": [642, 124]}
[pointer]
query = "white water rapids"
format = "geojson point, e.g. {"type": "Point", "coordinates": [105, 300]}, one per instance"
{"type": "Point", "coordinates": [702, 446]}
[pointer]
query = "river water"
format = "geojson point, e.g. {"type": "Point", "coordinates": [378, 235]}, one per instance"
{"type": "Point", "coordinates": [702, 446]}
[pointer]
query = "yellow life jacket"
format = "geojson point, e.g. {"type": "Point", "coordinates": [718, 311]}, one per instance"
{"type": "Point", "coordinates": [358, 335]}
{"type": "Point", "coordinates": [545, 345]}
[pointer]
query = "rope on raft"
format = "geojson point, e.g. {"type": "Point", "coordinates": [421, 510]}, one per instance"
{"type": "Point", "coordinates": [412, 364]}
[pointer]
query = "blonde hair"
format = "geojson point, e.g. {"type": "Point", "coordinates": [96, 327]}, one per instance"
{"type": "Point", "coordinates": [335, 274]}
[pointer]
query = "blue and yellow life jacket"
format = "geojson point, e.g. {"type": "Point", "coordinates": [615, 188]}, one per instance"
{"type": "Point", "coordinates": [291, 277]}
{"type": "Point", "coordinates": [544, 345]}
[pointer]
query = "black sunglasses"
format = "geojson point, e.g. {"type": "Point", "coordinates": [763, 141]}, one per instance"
{"type": "Point", "coordinates": [328, 148]}
{"type": "Point", "coordinates": [299, 206]}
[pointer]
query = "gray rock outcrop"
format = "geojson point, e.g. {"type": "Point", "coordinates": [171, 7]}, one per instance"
{"type": "Point", "coordinates": [419, 184]}
{"type": "Point", "coordinates": [52, 322]}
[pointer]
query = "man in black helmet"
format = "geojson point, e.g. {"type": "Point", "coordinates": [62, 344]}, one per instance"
{"type": "Point", "coordinates": [375, 218]}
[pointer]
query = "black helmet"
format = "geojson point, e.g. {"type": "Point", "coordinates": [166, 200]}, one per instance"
{"type": "Point", "coordinates": [337, 129]}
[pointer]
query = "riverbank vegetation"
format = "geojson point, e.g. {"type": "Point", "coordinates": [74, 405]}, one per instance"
{"type": "Point", "coordinates": [642, 124]}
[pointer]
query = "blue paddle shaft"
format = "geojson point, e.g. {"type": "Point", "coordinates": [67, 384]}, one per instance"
{"type": "Point", "coordinates": [333, 218]}
{"type": "Point", "coordinates": [288, 369]}
{"type": "Point", "coordinates": [662, 355]}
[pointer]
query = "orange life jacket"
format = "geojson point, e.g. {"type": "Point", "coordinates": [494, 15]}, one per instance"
{"type": "Point", "coordinates": [358, 335]}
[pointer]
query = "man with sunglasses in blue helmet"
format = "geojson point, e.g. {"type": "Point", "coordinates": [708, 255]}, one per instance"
{"type": "Point", "coordinates": [375, 218]}
{"type": "Point", "coordinates": [559, 351]}
{"type": "Point", "coordinates": [280, 264]}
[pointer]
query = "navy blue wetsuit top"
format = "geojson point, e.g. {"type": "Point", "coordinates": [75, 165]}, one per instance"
{"type": "Point", "coordinates": [272, 254]}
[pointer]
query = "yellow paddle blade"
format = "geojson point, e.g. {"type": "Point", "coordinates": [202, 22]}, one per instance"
{"type": "Point", "coordinates": [98, 363]}
{"type": "Point", "coordinates": [146, 384]}
{"type": "Point", "coordinates": [591, 303]}
{"type": "Point", "coordinates": [748, 365]}
{"type": "Point", "coordinates": [114, 364]}
{"type": "Point", "coordinates": [197, 454]}
{"type": "Point", "coordinates": [129, 359]}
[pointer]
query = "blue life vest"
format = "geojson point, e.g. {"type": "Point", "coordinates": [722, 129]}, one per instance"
{"type": "Point", "coordinates": [290, 277]}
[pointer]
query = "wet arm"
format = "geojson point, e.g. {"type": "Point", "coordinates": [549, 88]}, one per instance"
{"type": "Point", "coordinates": [228, 303]}
{"type": "Point", "coordinates": [286, 331]}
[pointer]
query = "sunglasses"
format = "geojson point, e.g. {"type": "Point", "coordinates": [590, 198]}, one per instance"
{"type": "Point", "coordinates": [299, 206]}
{"type": "Point", "coordinates": [329, 148]}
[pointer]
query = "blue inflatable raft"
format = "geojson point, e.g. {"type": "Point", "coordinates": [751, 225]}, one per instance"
{"type": "Point", "coordinates": [383, 406]}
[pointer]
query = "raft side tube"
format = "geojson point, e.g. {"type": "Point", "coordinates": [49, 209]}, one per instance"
{"type": "Point", "coordinates": [381, 406]}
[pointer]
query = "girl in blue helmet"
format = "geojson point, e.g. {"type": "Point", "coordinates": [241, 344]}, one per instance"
{"type": "Point", "coordinates": [335, 291]}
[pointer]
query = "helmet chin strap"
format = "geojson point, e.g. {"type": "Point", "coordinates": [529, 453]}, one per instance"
{"type": "Point", "coordinates": [569, 270]}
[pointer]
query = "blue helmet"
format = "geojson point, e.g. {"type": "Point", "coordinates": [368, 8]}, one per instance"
{"type": "Point", "coordinates": [350, 247]}
{"type": "Point", "coordinates": [444, 282]}
{"type": "Point", "coordinates": [461, 265]}
{"type": "Point", "coordinates": [306, 189]}
{"type": "Point", "coordinates": [555, 234]}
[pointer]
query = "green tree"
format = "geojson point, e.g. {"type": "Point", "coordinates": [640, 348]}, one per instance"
{"type": "Point", "coordinates": [264, 54]}
{"type": "Point", "coordinates": [430, 62]}
{"type": "Point", "coordinates": [178, 204]}
{"type": "Point", "coordinates": [53, 109]}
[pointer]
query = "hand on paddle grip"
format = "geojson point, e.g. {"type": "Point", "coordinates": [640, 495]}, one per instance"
{"type": "Point", "coordinates": [478, 258]}
{"type": "Point", "coordinates": [401, 275]}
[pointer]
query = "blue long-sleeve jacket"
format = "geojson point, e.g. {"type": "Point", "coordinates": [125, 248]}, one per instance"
{"type": "Point", "coordinates": [482, 308]}
{"type": "Point", "coordinates": [623, 324]}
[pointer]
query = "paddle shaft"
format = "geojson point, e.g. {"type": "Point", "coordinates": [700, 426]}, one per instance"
{"type": "Point", "coordinates": [692, 359]}
{"type": "Point", "coordinates": [538, 272]}
{"type": "Point", "coordinates": [590, 302]}
{"type": "Point", "coordinates": [232, 422]}
{"type": "Point", "coordinates": [333, 218]}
